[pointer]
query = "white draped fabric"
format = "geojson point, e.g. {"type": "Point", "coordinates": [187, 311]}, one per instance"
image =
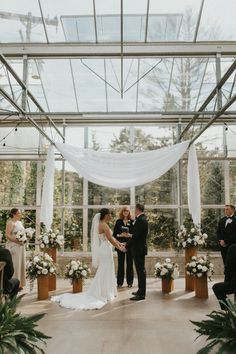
{"type": "Point", "coordinates": [46, 213]}
{"type": "Point", "coordinates": [194, 195]}
{"type": "Point", "coordinates": [122, 170]}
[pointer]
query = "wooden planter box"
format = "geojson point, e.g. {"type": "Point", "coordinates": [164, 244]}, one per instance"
{"type": "Point", "coordinates": [52, 282]}
{"type": "Point", "coordinates": [201, 287]}
{"type": "Point", "coordinates": [189, 280]}
{"type": "Point", "coordinates": [167, 285]}
{"type": "Point", "coordinates": [42, 287]}
{"type": "Point", "coordinates": [77, 286]}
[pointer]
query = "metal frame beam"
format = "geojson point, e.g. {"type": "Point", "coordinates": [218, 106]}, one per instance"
{"type": "Point", "coordinates": [27, 92]}
{"type": "Point", "coordinates": [24, 115]}
{"type": "Point", "coordinates": [214, 92]}
{"type": "Point", "coordinates": [69, 50]}
{"type": "Point", "coordinates": [212, 120]}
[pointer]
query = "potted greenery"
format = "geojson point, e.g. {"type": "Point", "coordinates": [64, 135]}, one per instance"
{"type": "Point", "coordinates": [17, 332]}
{"type": "Point", "coordinates": [167, 271]}
{"type": "Point", "coordinates": [220, 329]}
{"type": "Point", "coordinates": [76, 272]}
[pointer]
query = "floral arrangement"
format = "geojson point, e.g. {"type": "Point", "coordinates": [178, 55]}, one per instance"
{"type": "Point", "coordinates": [167, 270]}
{"type": "Point", "coordinates": [191, 236]}
{"type": "Point", "coordinates": [76, 270]}
{"type": "Point", "coordinates": [40, 264]}
{"type": "Point", "coordinates": [50, 239]}
{"type": "Point", "coordinates": [200, 266]}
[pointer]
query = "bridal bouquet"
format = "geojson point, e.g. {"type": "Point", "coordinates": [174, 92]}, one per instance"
{"type": "Point", "coordinates": [21, 236]}
{"type": "Point", "coordinates": [40, 264]}
{"type": "Point", "coordinates": [191, 236]}
{"type": "Point", "coordinates": [24, 235]}
{"type": "Point", "coordinates": [200, 266]}
{"type": "Point", "coordinates": [50, 239]}
{"type": "Point", "coordinates": [76, 270]}
{"type": "Point", "coordinates": [167, 270]}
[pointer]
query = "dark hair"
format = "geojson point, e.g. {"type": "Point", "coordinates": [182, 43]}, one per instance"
{"type": "Point", "coordinates": [104, 212]}
{"type": "Point", "coordinates": [231, 206]}
{"type": "Point", "coordinates": [13, 212]}
{"type": "Point", "coordinates": [140, 207]}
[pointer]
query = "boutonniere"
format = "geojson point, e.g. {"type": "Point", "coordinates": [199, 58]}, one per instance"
{"type": "Point", "coordinates": [229, 221]}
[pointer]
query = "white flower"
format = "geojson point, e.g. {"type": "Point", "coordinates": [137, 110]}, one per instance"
{"type": "Point", "coordinates": [193, 264]}
{"type": "Point", "coordinates": [42, 245]}
{"type": "Point", "coordinates": [164, 271]}
{"type": "Point", "coordinates": [199, 266]}
{"type": "Point", "coordinates": [75, 266]}
{"type": "Point", "coordinates": [36, 259]}
{"type": "Point", "coordinates": [169, 266]}
{"type": "Point", "coordinates": [184, 244]}
{"type": "Point", "coordinates": [168, 260]}
{"type": "Point", "coordinates": [84, 273]}
{"type": "Point", "coordinates": [194, 258]}
{"type": "Point", "coordinates": [44, 271]}
{"type": "Point", "coordinates": [189, 240]}
{"type": "Point", "coordinates": [204, 269]}
{"type": "Point", "coordinates": [71, 272]}
{"type": "Point", "coordinates": [194, 270]}
{"type": "Point", "coordinates": [51, 270]}
{"type": "Point", "coordinates": [192, 230]}
{"type": "Point", "coordinates": [205, 236]}
{"type": "Point", "coordinates": [199, 275]}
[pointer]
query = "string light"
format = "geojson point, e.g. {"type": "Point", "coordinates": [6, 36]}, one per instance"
{"type": "Point", "coordinates": [4, 138]}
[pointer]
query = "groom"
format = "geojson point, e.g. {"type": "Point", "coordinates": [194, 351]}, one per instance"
{"type": "Point", "coordinates": [138, 246]}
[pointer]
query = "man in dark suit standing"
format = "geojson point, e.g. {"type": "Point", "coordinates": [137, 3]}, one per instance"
{"type": "Point", "coordinates": [10, 285]}
{"type": "Point", "coordinates": [226, 232]}
{"type": "Point", "coordinates": [138, 246]}
{"type": "Point", "coordinates": [221, 290]}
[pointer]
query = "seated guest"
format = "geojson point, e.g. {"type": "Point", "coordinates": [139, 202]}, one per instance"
{"type": "Point", "coordinates": [10, 285]}
{"type": "Point", "coordinates": [222, 289]}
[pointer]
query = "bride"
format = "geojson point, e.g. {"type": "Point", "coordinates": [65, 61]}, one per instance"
{"type": "Point", "coordinates": [103, 286]}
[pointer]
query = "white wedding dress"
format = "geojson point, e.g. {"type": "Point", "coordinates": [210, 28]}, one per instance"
{"type": "Point", "coordinates": [103, 286]}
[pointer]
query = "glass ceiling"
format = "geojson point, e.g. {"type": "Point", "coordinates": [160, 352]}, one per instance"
{"type": "Point", "coordinates": [96, 84]}
{"type": "Point", "coordinates": [99, 21]}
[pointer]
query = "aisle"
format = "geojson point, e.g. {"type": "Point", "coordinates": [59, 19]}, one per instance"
{"type": "Point", "coordinates": [158, 325]}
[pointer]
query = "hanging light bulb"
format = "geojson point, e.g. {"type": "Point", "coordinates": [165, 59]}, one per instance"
{"type": "Point", "coordinates": [34, 71]}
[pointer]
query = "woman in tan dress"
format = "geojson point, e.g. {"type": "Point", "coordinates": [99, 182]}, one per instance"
{"type": "Point", "coordinates": [16, 247]}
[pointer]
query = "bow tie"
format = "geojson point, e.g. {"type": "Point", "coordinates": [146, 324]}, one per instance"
{"type": "Point", "coordinates": [229, 217]}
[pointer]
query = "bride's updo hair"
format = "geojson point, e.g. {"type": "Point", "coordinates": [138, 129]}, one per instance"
{"type": "Point", "coordinates": [13, 212]}
{"type": "Point", "coordinates": [104, 212]}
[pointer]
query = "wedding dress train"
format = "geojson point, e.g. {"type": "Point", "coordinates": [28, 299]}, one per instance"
{"type": "Point", "coordinates": [103, 286]}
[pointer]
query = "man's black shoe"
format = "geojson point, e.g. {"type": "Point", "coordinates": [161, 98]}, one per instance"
{"type": "Point", "coordinates": [137, 298]}
{"type": "Point", "coordinates": [135, 293]}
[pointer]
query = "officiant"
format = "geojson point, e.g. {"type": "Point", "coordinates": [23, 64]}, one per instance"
{"type": "Point", "coordinates": [123, 232]}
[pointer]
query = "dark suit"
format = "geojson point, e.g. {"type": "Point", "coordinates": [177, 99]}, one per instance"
{"type": "Point", "coordinates": [229, 284]}
{"type": "Point", "coordinates": [122, 255]}
{"type": "Point", "coordinates": [226, 233]}
{"type": "Point", "coordinates": [138, 246]}
{"type": "Point", "coordinates": [10, 285]}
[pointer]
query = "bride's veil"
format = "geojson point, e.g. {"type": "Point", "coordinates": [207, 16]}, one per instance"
{"type": "Point", "coordinates": [95, 239]}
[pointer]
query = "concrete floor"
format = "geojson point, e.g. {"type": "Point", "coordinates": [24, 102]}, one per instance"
{"type": "Point", "coordinates": [158, 325]}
